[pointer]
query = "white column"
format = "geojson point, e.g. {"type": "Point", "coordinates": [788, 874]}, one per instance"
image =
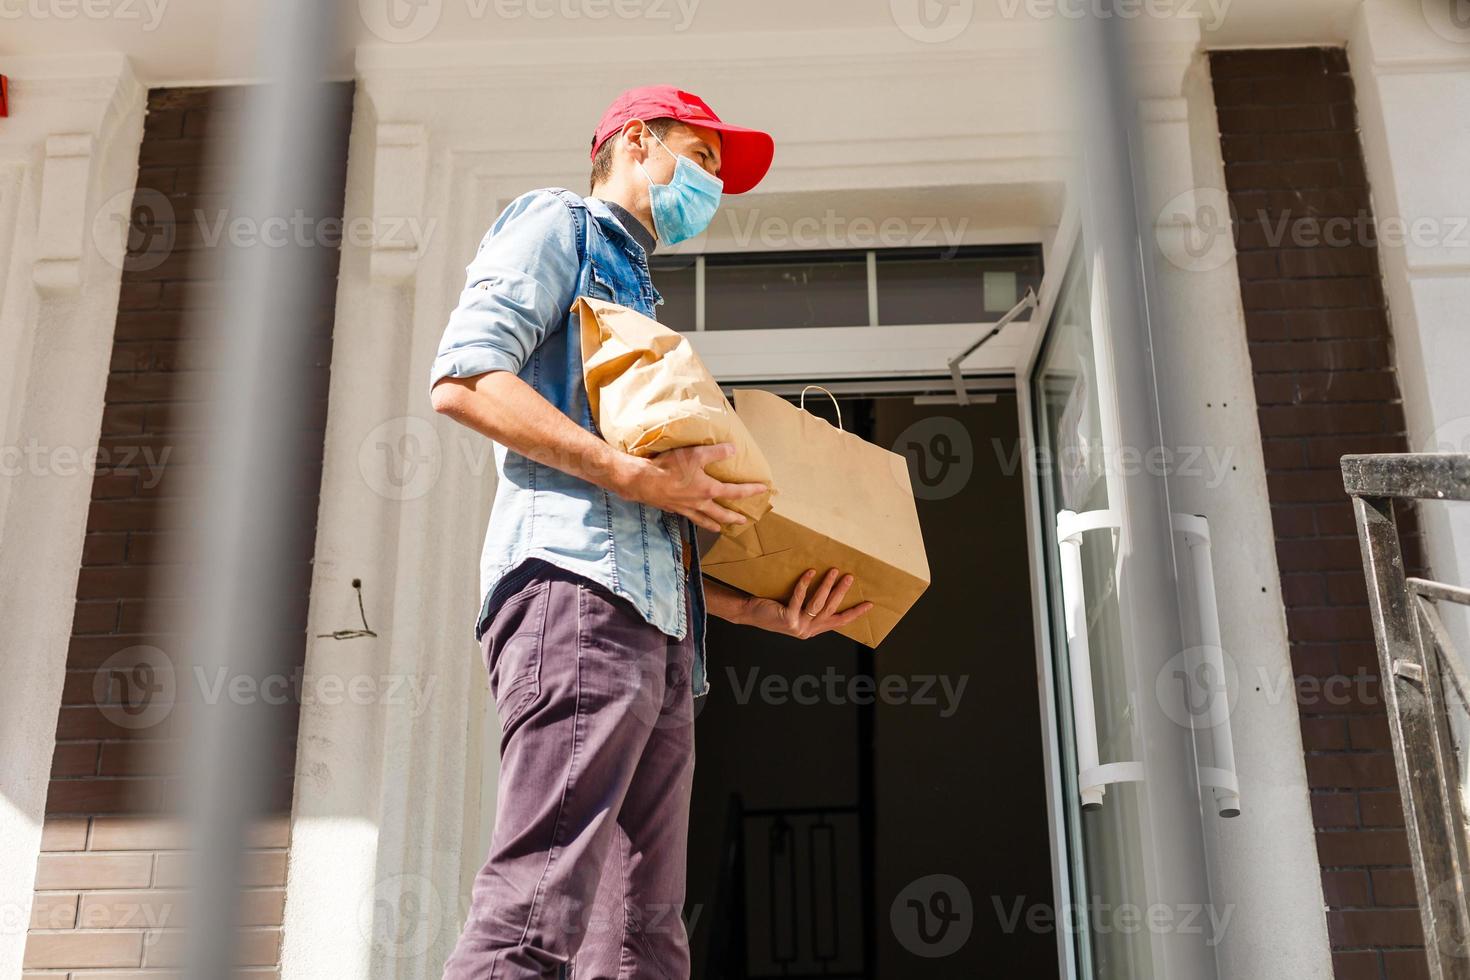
{"type": "Point", "coordinates": [379, 813]}
{"type": "Point", "coordinates": [68, 164]}
{"type": "Point", "coordinates": [1263, 863]}
{"type": "Point", "coordinates": [1411, 64]}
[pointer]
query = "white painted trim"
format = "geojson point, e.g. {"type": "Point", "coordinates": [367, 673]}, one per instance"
{"type": "Point", "coordinates": [69, 159]}
{"type": "Point", "coordinates": [856, 352]}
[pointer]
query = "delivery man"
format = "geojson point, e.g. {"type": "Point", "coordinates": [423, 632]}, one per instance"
{"type": "Point", "coordinates": [592, 618]}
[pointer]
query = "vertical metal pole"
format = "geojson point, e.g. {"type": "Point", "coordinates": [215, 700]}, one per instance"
{"type": "Point", "coordinates": [1170, 802]}
{"type": "Point", "coordinates": [1408, 670]}
{"type": "Point", "coordinates": [250, 511]}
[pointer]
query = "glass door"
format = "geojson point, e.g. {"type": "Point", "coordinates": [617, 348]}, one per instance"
{"type": "Point", "coordinates": [1133, 795]}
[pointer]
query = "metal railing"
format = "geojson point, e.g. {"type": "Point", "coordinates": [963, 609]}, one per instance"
{"type": "Point", "coordinates": [797, 929]}
{"type": "Point", "coordinates": [1416, 659]}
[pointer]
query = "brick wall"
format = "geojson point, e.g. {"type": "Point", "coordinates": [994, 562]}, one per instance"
{"type": "Point", "coordinates": [1325, 387]}
{"type": "Point", "coordinates": [113, 863]}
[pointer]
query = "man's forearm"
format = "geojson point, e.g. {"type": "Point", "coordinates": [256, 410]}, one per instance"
{"type": "Point", "coordinates": [722, 601]}
{"type": "Point", "coordinates": [501, 406]}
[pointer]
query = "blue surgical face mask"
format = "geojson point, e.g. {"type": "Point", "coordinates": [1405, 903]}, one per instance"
{"type": "Point", "coordinates": [686, 205]}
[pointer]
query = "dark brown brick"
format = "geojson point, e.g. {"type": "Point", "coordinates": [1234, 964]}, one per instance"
{"type": "Point", "coordinates": [1357, 965]}
{"type": "Point", "coordinates": [1362, 848]}
{"type": "Point", "coordinates": [1351, 770]}
{"type": "Point", "coordinates": [1405, 964]}
{"type": "Point", "coordinates": [1378, 927]}
{"type": "Point", "coordinates": [1346, 889]}
{"type": "Point", "coordinates": [1335, 810]}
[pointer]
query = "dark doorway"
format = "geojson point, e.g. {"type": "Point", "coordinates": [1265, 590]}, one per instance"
{"type": "Point", "coordinates": [882, 815]}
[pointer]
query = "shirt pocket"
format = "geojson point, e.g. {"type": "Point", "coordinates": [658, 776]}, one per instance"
{"type": "Point", "coordinates": [600, 285]}
{"type": "Point", "coordinates": [513, 655]}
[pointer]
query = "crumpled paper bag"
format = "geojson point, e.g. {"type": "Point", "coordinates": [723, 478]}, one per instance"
{"type": "Point", "coordinates": [649, 393]}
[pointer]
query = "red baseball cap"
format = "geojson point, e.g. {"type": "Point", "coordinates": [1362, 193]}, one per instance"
{"type": "Point", "coordinates": [745, 154]}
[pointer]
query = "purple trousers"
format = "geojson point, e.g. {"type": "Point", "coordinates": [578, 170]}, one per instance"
{"type": "Point", "coordinates": [585, 877]}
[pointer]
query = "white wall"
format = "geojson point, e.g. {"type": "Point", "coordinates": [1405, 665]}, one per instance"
{"type": "Point", "coordinates": [1263, 863]}
{"type": "Point", "coordinates": [68, 164]}
{"type": "Point", "coordinates": [1413, 79]}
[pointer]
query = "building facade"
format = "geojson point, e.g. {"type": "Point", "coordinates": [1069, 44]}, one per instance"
{"type": "Point", "coordinates": [1308, 261]}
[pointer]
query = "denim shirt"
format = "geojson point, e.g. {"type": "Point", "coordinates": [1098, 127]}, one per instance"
{"type": "Point", "coordinates": [547, 248]}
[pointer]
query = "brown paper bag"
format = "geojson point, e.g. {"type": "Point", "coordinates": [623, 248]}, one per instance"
{"type": "Point", "coordinates": [650, 393]}
{"type": "Point", "coordinates": [844, 503]}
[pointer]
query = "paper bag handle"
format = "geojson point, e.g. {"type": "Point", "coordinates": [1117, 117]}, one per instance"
{"type": "Point", "coordinates": [829, 395]}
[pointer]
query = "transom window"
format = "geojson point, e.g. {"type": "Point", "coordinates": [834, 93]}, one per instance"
{"type": "Point", "coordinates": [849, 288]}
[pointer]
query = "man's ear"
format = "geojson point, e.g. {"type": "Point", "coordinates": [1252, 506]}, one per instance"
{"type": "Point", "coordinates": [635, 133]}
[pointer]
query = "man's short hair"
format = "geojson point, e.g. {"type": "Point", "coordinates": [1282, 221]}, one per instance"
{"type": "Point", "coordinates": [602, 162]}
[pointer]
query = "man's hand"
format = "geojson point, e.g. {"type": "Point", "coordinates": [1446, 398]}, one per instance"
{"type": "Point", "coordinates": [676, 481]}
{"type": "Point", "coordinates": [502, 406]}
{"type": "Point", "coordinates": [800, 616]}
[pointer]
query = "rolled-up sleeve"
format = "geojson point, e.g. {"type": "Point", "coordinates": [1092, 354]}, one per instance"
{"type": "Point", "coordinates": [518, 289]}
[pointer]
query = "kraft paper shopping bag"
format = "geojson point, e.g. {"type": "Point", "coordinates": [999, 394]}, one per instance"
{"type": "Point", "coordinates": [844, 503]}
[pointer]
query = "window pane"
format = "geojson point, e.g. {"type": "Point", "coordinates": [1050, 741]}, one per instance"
{"type": "Point", "coordinates": [784, 293]}
{"type": "Point", "coordinates": [962, 289]}
{"type": "Point", "coordinates": [675, 284]}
